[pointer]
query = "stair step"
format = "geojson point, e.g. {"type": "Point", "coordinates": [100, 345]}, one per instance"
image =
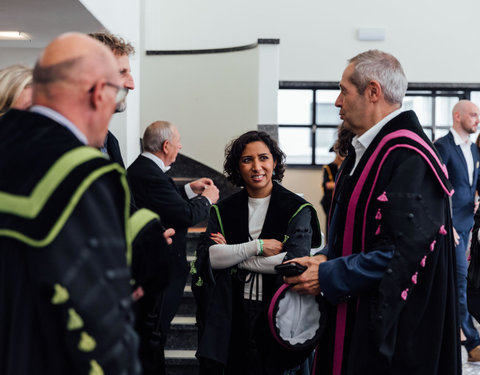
{"type": "Point", "coordinates": [184, 320]}
{"type": "Point", "coordinates": [182, 334]}
{"type": "Point", "coordinates": [181, 362]}
{"type": "Point", "coordinates": [188, 305]}
{"type": "Point", "coordinates": [182, 338]}
{"type": "Point", "coordinates": [180, 354]}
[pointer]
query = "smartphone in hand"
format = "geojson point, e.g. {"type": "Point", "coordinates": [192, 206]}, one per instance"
{"type": "Point", "coordinates": [290, 269]}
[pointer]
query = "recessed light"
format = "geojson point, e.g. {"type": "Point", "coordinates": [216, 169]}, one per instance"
{"type": "Point", "coordinates": [14, 35]}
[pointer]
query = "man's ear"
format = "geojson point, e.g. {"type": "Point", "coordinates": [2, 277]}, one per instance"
{"type": "Point", "coordinates": [165, 147]}
{"type": "Point", "coordinates": [374, 91]}
{"type": "Point", "coordinates": [457, 116]}
{"type": "Point", "coordinates": [96, 94]}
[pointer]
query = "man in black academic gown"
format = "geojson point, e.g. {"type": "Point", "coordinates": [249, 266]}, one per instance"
{"type": "Point", "coordinates": [65, 298]}
{"type": "Point", "coordinates": [178, 208]}
{"type": "Point", "coordinates": [388, 272]}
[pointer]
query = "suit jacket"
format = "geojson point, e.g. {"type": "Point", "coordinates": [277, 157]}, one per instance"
{"type": "Point", "coordinates": [464, 197]}
{"type": "Point", "coordinates": [154, 190]}
{"type": "Point", "coordinates": [113, 149]}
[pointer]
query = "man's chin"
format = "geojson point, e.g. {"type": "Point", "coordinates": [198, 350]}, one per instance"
{"type": "Point", "coordinates": [121, 107]}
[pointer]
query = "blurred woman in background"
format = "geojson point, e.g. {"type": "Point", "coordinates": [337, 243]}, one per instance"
{"type": "Point", "coordinates": [15, 88]}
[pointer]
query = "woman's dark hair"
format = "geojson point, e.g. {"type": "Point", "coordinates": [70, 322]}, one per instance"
{"type": "Point", "coordinates": [344, 140]}
{"type": "Point", "coordinates": [234, 151]}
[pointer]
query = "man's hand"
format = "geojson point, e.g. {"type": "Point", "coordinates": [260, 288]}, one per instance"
{"type": "Point", "coordinates": [198, 186]}
{"type": "Point", "coordinates": [137, 294]}
{"type": "Point", "coordinates": [211, 192]}
{"type": "Point", "coordinates": [330, 185]}
{"type": "Point", "coordinates": [168, 234]}
{"type": "Point", "coordinates": [456, 237]}
{"type": "Point", "coordinates": [307, 282]}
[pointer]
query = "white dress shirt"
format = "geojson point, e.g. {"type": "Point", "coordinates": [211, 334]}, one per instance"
{"type": "Point", "coordinates": [361, 143]}
{"type": "Point", "coordinates": [159, 162]}
{"type": "Point", "coordinates": [61, 119]}
{"type": "Point", "coordinates": [465, 146]}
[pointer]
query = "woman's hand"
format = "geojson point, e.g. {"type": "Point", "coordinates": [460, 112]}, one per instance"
{"type": "Point", "coordinates": [218, 238]}
{"type": "Point", "coordinates": [271, 247]}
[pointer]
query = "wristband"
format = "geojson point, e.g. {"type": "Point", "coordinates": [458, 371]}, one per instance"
{"type": "Point", "coordinates": [261, 246]}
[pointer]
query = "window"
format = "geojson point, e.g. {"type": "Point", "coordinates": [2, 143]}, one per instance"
{"type": "Point", "coordinates": [307, 132]}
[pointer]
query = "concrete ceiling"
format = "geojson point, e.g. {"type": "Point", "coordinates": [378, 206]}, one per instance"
{"type": "Point", "coordinates": [43, 20]}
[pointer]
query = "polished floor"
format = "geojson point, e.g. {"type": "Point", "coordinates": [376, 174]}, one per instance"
{"type": "Point", "coordinates": [467, 367]}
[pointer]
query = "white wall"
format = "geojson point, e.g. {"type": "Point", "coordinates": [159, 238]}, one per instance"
{"type": "Point", "coordinates": [211, 98]}
{"type": "Point", "coordinates": [25, 56]}
{"type": "Point", "coordinates": [436, 41]}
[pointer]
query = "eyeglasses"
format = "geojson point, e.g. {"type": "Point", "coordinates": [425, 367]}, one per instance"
{"type": "Point", "coordinates": [121, 91]}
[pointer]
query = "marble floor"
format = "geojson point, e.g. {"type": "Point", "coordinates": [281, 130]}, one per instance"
{"type": "Point", "coordinates": [469, 368]}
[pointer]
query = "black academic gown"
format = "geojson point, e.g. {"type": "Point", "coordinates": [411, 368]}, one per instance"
{"type": "Point", "coordinates": [65, 305]}
{"type": "Point", "coordinates": [390, 277]}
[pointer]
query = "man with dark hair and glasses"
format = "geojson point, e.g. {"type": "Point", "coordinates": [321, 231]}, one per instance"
{"type": "Point", "coordinates": [65, 300]}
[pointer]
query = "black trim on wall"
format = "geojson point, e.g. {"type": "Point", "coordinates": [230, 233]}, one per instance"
{"type": "Point", "coordinates": [202, 51]}
{"type": "Point", "coordinates": [268, 41]}
{"type": "Point", "coordinates": [411, 85]}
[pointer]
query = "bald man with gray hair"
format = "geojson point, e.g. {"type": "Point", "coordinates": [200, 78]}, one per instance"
{"type": "Point", "coordinates": [179, 209]}
{"type": "Point", "coordinates": [65, 306]}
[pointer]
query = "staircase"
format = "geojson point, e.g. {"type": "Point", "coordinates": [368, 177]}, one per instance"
{"type": "Point", "coordinates": [182, 339]}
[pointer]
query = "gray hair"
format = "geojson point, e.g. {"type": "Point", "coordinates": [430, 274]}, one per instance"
{"type": "Point", "coordinates": [156, 134]}
{"type": "Point", "coordinates": [383, 68]}
{"type": "Point", "coordinates": [13, 79]}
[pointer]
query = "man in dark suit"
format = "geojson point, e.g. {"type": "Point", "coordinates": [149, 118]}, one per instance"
{"type": "Point", "coordinates": [178, 208]}
{"type": "Point", "coordinates": [462, 160]}
{"type": "Point", "coordinates": [121, 50]}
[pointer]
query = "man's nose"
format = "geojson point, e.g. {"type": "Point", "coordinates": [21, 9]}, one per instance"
{"type": "Point", "coordinates": [129, 83]}
{"type": "Point", "coordinates": [338, 101]}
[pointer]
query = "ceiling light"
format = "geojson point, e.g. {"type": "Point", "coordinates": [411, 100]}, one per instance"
{"type": "Point", "coordinates": [14, 35]}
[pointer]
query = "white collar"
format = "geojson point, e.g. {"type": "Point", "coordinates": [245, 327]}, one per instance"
{"type": "Point", "coordinates": [366, 138]}
{"type": "Point", "coordinates": [458, 140]}
{"type": "Point", "coordinates": [61, 119]}
{"type": "Point", "coordinates": [156, 160]}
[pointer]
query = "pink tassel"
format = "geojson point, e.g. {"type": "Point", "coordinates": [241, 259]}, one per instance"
{"type": "Point", "coordinates": [432, 245]}
{"type": "Point", "coordinates": [378, 216]}
{"type": "Point", "coordinates": [377, 232]}
{"type": "Point", "coordinates": [469, 258]}
{"type": "Point", "coordinates": [414, 278]}
{"type": "Point", "coordinates": [442, 230]}
{"type": "Point", "coordinates": [422, 262]}
{"type": "Point", "coordinates": [405, 294]}
{"type": "Point", "coordinates": [383, 197]}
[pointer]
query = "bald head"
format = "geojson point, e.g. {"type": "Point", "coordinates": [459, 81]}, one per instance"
{"type": "Point", "coordinates": [465, 116]}
{"type": "Point", "coordinates": [78, 77]}
{"type": "Point", "coordinates": [73, 57]}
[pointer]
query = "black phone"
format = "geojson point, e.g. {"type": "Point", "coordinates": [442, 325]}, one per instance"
{"type": "Point", "coordinates": [290, 269]}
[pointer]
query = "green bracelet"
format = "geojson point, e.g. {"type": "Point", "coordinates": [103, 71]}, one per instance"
{"type": "Point", "coordinates": [260, 241]}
